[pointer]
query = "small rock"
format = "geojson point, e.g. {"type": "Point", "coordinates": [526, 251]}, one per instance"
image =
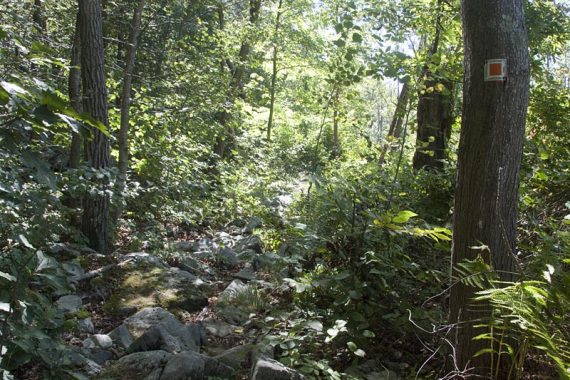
{"type": "Point", "coordinates": [121, 336]}
{"type": "Point", "coordinates": [246, 274]}
{"type": "Point", "coordinates": [192, 365]}
{"type": "Point", "coordinates": [269, 369]}
{"type": "Point", "coordinates": [236, 357]}
{"type": "Point", "coordinates": [98, 355]}
{"type": "Point", "coordinates": [185, 246]}
{"type": "Point", "coordinates": [252, 243]}
{"type": "Point", "coordinates": [227, 257]}
{"type": "Point", "coordinates": [187, 365]}
{"type": "Point", "coordinates": [236, 286]}
{"type": "Point", "coordinates": [103, 341]}
{"type": "Point", "coordinates": [143, 258]}
{"type": "Point", "coordinates": [203, 244]}
{"type": "Point", "coordinates": [218, 328]}
{"type": "Point", "coordinates": [86, 325]}
{"type": "Point", "coordinates": [69, 304]}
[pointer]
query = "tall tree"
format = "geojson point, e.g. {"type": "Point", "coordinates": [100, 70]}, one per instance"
{"type": "Point", "coordinates": [126, 98]}
{"type": "Point", "coordinates": [95, 222]}
{"type": "Point", "coordinates": [274, 61]}
{"type": "Point", "coordinates": [74, 90]}
{"type": "Point", "coordinates": [490, 152]}
{"type": "Point", "coordinates": [227, 136]}
{"type": "Point", "coordinates": [397, 123]}
{"type": "Point", "coordinates": [435, 107]}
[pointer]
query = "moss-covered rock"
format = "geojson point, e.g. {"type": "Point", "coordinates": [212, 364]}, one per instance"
{"type": "Point", "coordinates": [143, 284]}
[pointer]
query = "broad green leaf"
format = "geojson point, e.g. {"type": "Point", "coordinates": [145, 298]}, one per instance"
{"type": "Point", "coordinates": [43, 173]}
{"type": "Point", "coordinates": [360, 353]}
{"type": "Point", "coordinates": [340, 42]}
{"type": "Point", "coordinates": [352, 346]}
{"type": "Point", "coordinates": [315, 325]}
{"type": "Point", "coordinates": [356, 37]}
{"type": "Point", "coordinates": [404, 216]}
{"type": "Point", "coordinates": [13, 89]}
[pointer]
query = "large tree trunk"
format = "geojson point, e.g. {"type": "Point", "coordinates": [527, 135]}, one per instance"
{"type": "Point", "coordinates": [95, 222]}
{"type": "Point", "coordinates": [274, 71]}
{"type": "Point", "coordinates": [490, 151]}
{"type": "Point", "coordinates": [74, 90]}
{"type": "Point", "coordinates": [126, 100]}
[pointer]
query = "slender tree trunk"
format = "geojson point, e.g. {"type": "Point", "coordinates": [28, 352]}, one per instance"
{"type": "Point", "coordinates": [434, 112]}
{"type": "Point", "coordinates": [274, 73]}
{"type": "Point", "coordinates": [74, 89]}
{"type": "Point", "coordinates": [336, 149]}
{"type": "Point", "coordinates": [123, 138]}
{"type": "Point", "coordinates": [95, 222]}
{"type": "Point", "coordinates": [490, 151]}
{"type": "Point", "coordinates": [336, 145]}
{"type": "Point", "coordinates": [396, 125]}
{"type": "Point", "coordinates": [226, 139]}
{"type": "Point", "coordinates": [40, 24]}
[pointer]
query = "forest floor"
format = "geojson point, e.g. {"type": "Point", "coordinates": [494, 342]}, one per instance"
{"type": "Point", "coordinates": [214, 304]}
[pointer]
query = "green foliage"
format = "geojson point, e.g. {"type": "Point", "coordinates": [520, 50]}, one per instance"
{"type": "Point", "coordinates": [364, 266]}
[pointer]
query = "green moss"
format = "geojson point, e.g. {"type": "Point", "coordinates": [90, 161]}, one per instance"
{"type": "Point", "coordinates": [80, 314]}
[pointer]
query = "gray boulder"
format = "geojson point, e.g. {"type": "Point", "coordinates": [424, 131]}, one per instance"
{"type": "Point", "coordinates": [227, 257]}
{"type": "Point", "coordinates": [98, 355]}
{"type": "Point", "coordinates": [246, 274]}
{"type": "Point", "coordinates": [169, 337]}
{"type": "Point", "coordinates": [269, 369]}
{"type": "Point", "coordinates": [236, 357]}
{"type": "Point", "coordinates": [143, 258]}
{"type": "Point", "coordinates": [192, 365]}
{"type": "Point", "coordinates": [141, 365]}
{"type": "Point", "coordinates": [195, 267]}
{"type": "Point", "coordinates": [218, 328]}
{"type": "Point", "coordinates": [98, 341]}
{"type": "Point", "coordinates": [154, 329]}
{"type": "Point", "coordinates": [250, 243]}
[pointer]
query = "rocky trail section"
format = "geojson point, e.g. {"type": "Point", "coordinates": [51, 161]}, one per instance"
{"type": "Point", "coordinates": [191, 314]}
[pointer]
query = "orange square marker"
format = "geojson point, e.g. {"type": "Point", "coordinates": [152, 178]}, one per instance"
{"type": "Point", "coordinates": [495, 70]}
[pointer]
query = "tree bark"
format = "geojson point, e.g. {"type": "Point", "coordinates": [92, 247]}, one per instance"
{"type": "Point", "coordinates": [490, 152]}
{"type": "Point", "coordinates": [274, 72]}
{"type": "Point", "coordinates": [123, 137]}
{"type": "Point", "coordinates": [74, 90]}
{"type": "Point", "coordinates": [95, 221]}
